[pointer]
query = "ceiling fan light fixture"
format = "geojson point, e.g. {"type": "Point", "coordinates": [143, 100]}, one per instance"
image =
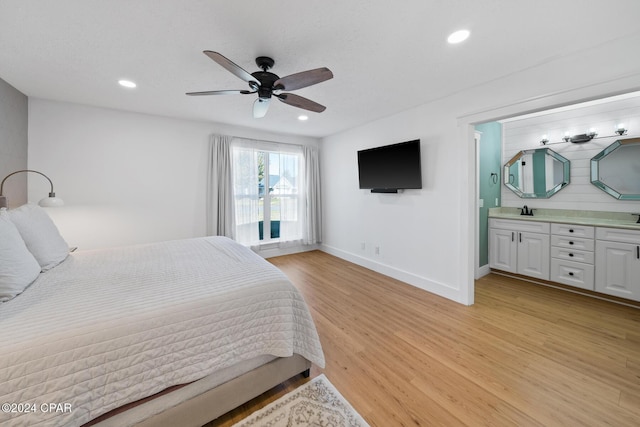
{"type": "Point", "coordinates": [260, 107]}
{"type": "Point", "coordinates": [303, 118]}
{"type": "Point", "coordinates": [458, 36]}
{"type": "Point", "coordinates": [267, 84]}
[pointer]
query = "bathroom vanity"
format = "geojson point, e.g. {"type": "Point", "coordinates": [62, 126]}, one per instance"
{"type": "Point", "coordinates": [595, 251]}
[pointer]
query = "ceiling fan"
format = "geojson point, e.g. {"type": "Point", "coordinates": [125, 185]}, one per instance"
{"type": "Point", "coordinates": [267, 84]}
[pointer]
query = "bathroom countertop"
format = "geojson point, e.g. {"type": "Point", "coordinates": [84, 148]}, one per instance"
{"type": "Point", "coordinates": [592, 218]}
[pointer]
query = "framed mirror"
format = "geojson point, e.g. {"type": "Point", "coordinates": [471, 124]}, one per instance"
{"type": "Point", "coordinates": [616, 169]}
{"type": "Point", "coordinates": [536, 174]}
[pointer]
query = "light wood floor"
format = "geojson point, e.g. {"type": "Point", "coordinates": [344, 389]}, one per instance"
{"type": "Point", "coordinates": [522, 355]}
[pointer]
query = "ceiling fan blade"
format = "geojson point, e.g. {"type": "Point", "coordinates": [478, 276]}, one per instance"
{"type": "Point", "coordinates": [303, 79]}
{"type": "Point", "coordinates": [220, 92]}
{"type": "Point", "coordinates": [231, 67]}
{"type": "Point", "coordinates": [300, 102]}
{"type": "Point", "coordinates": [260, 107]}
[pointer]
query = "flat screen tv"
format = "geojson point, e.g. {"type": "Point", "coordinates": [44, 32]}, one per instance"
{"type": "Point", "coordinates": [390, 168]}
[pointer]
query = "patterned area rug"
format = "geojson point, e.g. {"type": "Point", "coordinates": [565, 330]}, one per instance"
{"type": "Point", "coordinates": [314, 404]}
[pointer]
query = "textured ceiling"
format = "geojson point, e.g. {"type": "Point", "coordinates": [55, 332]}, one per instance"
{"type": "Point", "coordinates": [386, 56]}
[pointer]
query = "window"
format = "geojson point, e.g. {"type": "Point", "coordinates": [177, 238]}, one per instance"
{"type": "Point", "coordinates": [268, 191]}
{"type": "Point", "coordinates": [278, 206]}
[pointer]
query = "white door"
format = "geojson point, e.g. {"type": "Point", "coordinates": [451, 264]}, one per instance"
{"type": "Point", "coordinates": [533, 255]}
{"type": "Point", "coordinates": [618, 269]}
{"type": "Point", "coordinates": [502, 250]}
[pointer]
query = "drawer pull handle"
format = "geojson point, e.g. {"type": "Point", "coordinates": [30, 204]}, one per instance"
{"type": "Point", "coordinates": [571, 273]}
{"type": "Point", "coordinates": [638, 252]}
{"type": "Point", "coordinates": [571, 230]}
{"type": "Point", "coordinates": [571, 243]}
{"type": "Point", "coordinates": [571, 255]}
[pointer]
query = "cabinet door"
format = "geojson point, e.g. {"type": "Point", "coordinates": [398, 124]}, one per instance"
{"type": "Point", "coordinates": [618, 269]}
{"type": "Point", "coordinates": [502, 250]}
{"type": "Point", "coordinates": [533, 255]}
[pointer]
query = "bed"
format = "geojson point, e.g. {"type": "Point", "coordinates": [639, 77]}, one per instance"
{"type": "Point", "coordinates": [202, 325]}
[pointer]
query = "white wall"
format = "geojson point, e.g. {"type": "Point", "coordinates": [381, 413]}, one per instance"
{"type": "Point", "coordinates": [413, 229]}
{"type": "Point", "coordinates": [126, 178]}
{"type": "Point", "coordinates": [426, 237]}
{"type": "Point", "coordinates": [525, 133]}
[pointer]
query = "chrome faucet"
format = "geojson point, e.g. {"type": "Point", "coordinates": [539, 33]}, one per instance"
{"type": "Point", "coordinates": [526, 211]}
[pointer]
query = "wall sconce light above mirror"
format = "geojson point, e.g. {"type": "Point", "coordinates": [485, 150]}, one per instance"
{"type": "Point", "coordinates": [619, 130]}
{"type": "Point", "coordinates": [616, 169]}
{"type": "Point", "coordinates": [536, 174]}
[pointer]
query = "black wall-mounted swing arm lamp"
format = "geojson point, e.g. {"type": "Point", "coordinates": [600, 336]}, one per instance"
{"type": "Point", "coordinates": [47, 202]}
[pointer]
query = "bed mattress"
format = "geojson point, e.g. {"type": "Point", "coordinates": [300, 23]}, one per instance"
{"type": "Point", "coordinates": [109, 327]}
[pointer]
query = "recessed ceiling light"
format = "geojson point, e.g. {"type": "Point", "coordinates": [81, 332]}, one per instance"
{"type": "Point", "coordinates": [458, 36]}
{"type": "Point", "coordinates": [303, 118]}
{"type": "Point", "coordinates": [127, 83]}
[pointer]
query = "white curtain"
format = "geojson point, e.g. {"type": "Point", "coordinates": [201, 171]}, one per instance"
{"type": "Point", "coordinates": [313, 205]}
{"type": "Point", "coordinates": [246, 194]}
{"type": "Point", "coordinates": [220, 218]}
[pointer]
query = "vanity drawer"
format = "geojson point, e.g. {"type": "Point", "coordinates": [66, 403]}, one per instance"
{"type": "Point", "coordinates": [618, 235]}
{"type": "Point", "coordinates": [515, 225]}
{"type": "Point", "coordinates": [572, 242]}
{"type": "Point", "coordinates": [575, 255]}
{"type": "Point", "coordinates": [572, 273]}
{"type": "Point", "coordinates": [585, 231]}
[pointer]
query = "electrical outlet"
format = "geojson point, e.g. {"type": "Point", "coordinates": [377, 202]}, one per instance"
{"type": "Point", "coordinates": [496, 201]}
{"type": "Point", "coordinates": [377, 250]}
{"type": "Point", "coordinates": [363, 246]}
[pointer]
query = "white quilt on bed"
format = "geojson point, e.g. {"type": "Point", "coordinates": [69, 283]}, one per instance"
{"type": "Point", "coordinates": [109, 327]}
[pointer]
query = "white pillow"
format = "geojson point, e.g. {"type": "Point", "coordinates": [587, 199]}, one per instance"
{"type": "Point", "coordinates": [18, 268]}
{"type": "Point", "coordinates": [40, 235]}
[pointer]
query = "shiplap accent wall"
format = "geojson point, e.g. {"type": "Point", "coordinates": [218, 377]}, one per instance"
{"type": "Point", "coordinates": [525, 133]}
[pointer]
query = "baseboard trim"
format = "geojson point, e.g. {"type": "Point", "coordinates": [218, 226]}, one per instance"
{"type": "Point", "coordinates": [270, 252]}
{"type": "Point", "coordinates": [482, 271]}
{"type": "Point", "coordinates": [421, 282]}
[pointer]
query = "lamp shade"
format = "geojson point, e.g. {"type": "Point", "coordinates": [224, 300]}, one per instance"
{"type": "Point", "coordinates": [51, 202]}
{"type": "Point", "coordinates": [48, 202]}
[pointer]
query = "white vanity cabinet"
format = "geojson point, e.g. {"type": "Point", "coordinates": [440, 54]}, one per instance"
{"type": "Point", "coordinates": [594, 251]}
{"type": "Point", "coordinates": [618, 262]}
{"type": "Point", "coordinates": [520, 247]}
{"type": "Point", "coordinates": [572, 256]}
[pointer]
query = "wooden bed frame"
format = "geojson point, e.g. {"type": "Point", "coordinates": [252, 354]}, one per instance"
{"type": "Point", "coordinates": [214, 402]}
